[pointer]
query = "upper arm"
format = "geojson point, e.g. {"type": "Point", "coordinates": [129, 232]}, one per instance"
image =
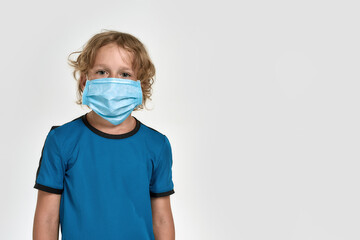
{"type": "Point", "coordinates": [48, 206]}
{"type": "Point", "coordinates": [161, 209]}
{"type": "Point", "coordinates": [47, 218]}
{"type": "Point", "coordinates": [162, 219]}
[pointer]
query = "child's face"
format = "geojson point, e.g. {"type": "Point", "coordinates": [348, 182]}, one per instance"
{"type": "Point", "coordinates": [111, 61]}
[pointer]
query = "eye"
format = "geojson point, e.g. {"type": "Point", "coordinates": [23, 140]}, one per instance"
{"type": "Point", "coordinates": [125, 75]}
{"type": "Point", "coordinates": [101, 72]}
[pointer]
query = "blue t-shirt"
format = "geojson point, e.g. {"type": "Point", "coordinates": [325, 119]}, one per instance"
{"type": "Point", "coordinates": [105, 180]}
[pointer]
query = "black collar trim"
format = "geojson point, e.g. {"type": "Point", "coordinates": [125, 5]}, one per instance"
{"type": "Point", "coordinates": [112, 136]}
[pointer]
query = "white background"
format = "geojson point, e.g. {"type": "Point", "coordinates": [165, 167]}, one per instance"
{"type": "Point", "coordinates": [259, 99]}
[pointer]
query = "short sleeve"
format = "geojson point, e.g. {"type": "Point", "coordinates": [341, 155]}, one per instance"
{"type": "Point", "coordinates": [51, 169]}
{"type": "Point", "coordinates": [161, 183]}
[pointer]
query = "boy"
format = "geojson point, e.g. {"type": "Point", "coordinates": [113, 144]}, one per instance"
{"type": "Point", "coordinates": [105, 175]}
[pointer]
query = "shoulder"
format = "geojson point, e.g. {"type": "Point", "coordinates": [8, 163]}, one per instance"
{"type": "Point", "coordinates": [64, 137]}
{"type": "Point", "coordinates": [155, 138]}
{"type": "Point", "coordinates": [64, 131]}
{"type": "Point", "coordinates": [67, 125]}
{"type": "Point", "coordinates": [153, 133]}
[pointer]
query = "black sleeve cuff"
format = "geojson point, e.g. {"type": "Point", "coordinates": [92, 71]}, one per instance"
{"type": "Point", "coordinates": [162, 194]}
{"type": "Point", "coordinates": [48, 189]}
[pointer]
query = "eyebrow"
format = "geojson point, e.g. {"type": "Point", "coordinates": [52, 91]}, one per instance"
{"type": "Point", "coordinates": [104, 66]}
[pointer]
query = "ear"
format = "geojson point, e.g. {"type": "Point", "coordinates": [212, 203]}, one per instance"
{"type": "Point", "coordinates": [82, 81]}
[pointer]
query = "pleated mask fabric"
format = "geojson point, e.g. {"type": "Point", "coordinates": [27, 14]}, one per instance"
{"type": "Point", "coordinates": [112, 98]}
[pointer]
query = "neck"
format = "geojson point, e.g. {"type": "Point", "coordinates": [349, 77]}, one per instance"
{"type": "Point", "coordinates": [105, 126]}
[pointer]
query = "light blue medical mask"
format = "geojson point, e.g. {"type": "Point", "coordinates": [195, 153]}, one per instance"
{"type": "Point", "coordinates": [112, 98]}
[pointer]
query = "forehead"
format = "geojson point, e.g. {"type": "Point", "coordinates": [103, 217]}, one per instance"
{"type": "Point", "coordinates": [114, 55]}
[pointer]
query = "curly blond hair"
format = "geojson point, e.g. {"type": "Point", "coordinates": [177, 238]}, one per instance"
{"type": "Point", "coordinates": [141, 62]}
